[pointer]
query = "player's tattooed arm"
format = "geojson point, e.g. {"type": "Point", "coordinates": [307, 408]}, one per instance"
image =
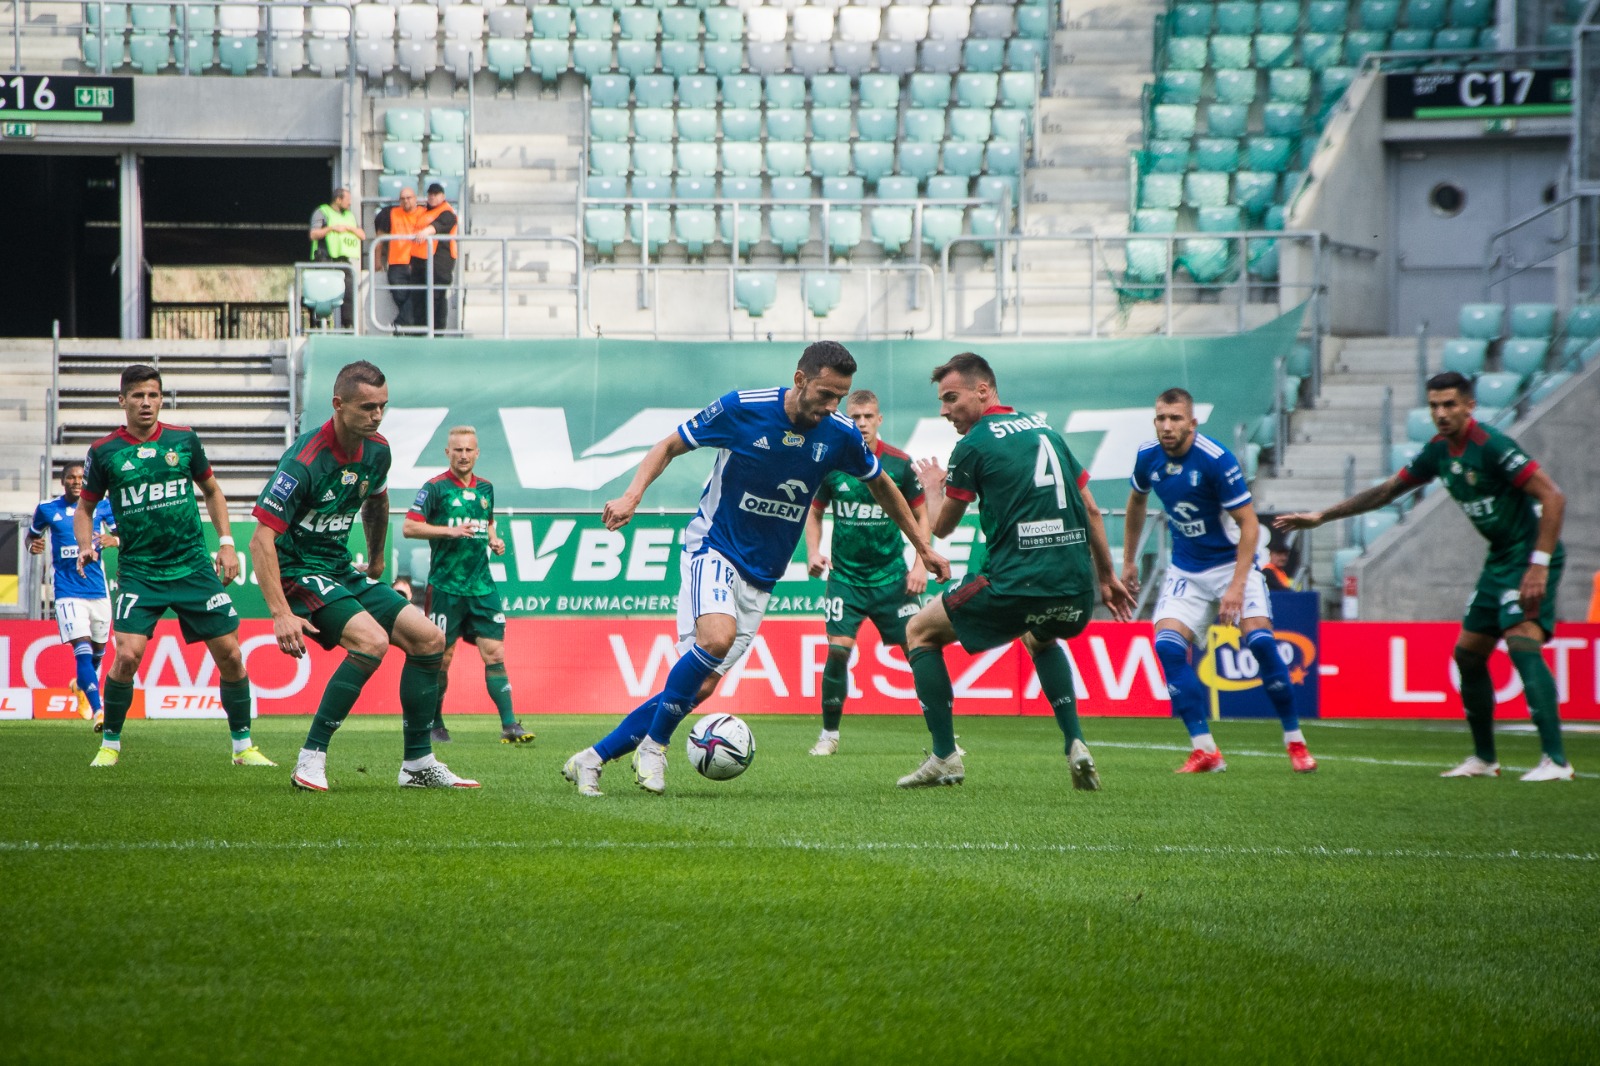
{"type": "Point", "coordinates": [227, 562]}
{"type": "Point", "coordinates": [1132, 528]}
{"type": "Point", "coordinates": [619, 512]}
{"type": "Point", "coordinates": [1362, 502]}
{"type": "Point", "coordinates": [375, 525]}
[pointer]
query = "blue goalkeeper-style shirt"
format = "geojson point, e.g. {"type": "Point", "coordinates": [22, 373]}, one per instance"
{"type": "Point", "coordinates": [1197, 489]}
{"type": "Point", "coordinates": [54, 517]}
{"type": "Point", "coordinates": [753, 509]}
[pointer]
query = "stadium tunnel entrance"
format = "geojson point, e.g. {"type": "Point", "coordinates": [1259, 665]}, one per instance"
{"type": "Point", "coordinates": [215, 235]}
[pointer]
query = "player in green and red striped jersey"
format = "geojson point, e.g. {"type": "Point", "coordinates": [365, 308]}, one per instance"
{"type": "Point", "coordinates": [868, 576]}
{"type": "Point", "coordinates": [455, 513]}
{"type": "Point", "coordinates": [1518, 509]}
{"type": "Point", "coordinates": [1047, 558]}
{"type": "Point", "coordinates": [313, 588]}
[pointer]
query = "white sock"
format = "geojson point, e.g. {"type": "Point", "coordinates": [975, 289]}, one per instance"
{"type": "Point", "coordinates": [1293, 736]}
{"type": "Point", "coordinates": [1203, 742]}
{"type": "Point", "coordinates": [830, 734]}
{"type": "Point", "coordinates": [419, 764]}
{"type": "Point", "coordinates": [242, 745]}
{"type": "Point", "coordinates": [114, 745]}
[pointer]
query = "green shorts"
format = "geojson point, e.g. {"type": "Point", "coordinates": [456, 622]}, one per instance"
{"type": "Point", "coordinates": [1495, 607]}
{"type": "Point", "coordinates": [889, 607]}
{"type": "Point", "coordinates": [985, 619]}
{"type": "Point", "coordinates": [465, 617]}
{"type": "Point", "coordinates": [331, 600]}
{"type": "Point", "coordinates": [203, 606]}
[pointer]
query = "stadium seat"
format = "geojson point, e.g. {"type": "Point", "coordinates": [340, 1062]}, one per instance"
{"type": "Point", "coordinates": [1289, 86]}
{"type": "Point", "coordinates": [1419, 425]}
{"type": "Point", "coordinates": [694, 228]}
{"type": "Point", "coordinates": [930, 91]}
{"type": "Point", "coordinates": [1361, 43]}
{"type": "Point", "coordinates": [650, 227]}
{"type": "Point", "coordinates": [1583, 321]}
{"type": "Point", "coordinates": [1227, 120]}
{"type": "Point", "coordinates": [984, 56]}
{"type": "Point", "coordinates": [1427, 14]}
{"type": "Point", "coordinates": [920, 161]}
{"type": "Point", "coordinates": [1230, 53]}
{"type": "Point", "coordinates": [1327, 16]}
{"type": "Point", "coordinates": [697, 91]}
{"type": "Point", "coordinates": [873, 159]}
{"type": "Point", "coordinates": [823, 292]}
{"type": "Point", "coordinates": [592, 58]}
{"type": "Point", "coordinates": [447, 157]}
{"type": "Point", "coordinates": [1186, 53]}
{"type": "Point", "coordinates": [1268, 154]}
{"type": "Point", "coordinates": [1456, 39]}
{"type": "Point", "coordinates": [962, 159]}
{"type": "Point", "coordinates": [679, 24]}
{"type": "Point", "coordinates": [924, 126]}
{"type": "Point", "coordinates": [149, 53]}
{"type": "Point", "coordinates": [740, 229]}
{"type": "Point", "coordinates": [830, 159]}
{"type": "Point", "coordinates": [1498, 388]}
{"type": "Point", "coordinates": [789, 228]}
{"type": "Point", "coordinates": [1173, 121]}
{"type": "Point", "coordinates": [941, 57]}
{"type": "Point", "coordinates": [1019, 90]}
{"type": "Point", "coordinates": [1472, 13]}
{"type": "Point", "coordinates": [550, 21]}
{"type": "Point", "coordinates": [1178, 87]}
{"type": "Point", "coordinates": [1410, 41]}
{"type": "Point", "coordinates": [1482, 321]}
{"type": "Point", "coordinates": [1235, 18]}
{"type": "Point", "coordinates": [326, 58]}
{"type": "Point", "coordinates": [1025, 55]}
{"type": "Point", "coordinates": [1499, 417]}
{"type": "Point", "coordinates": [1234, 86]}
{"type": "Point", "coordinates": [146, 18]}
{"type": "Point", "coordinates": [654, 124]}
{"type": "Point", "coordinates": [697, 124]}
{"type": "Point", "coordinates": [1274, 50]}
{"type": "Point", "coordinates": [506, 59]}
{"type": "Point", "coordinates": [605, 228]}
{"type": "Point", "coordinates": [755, 291]}
{"type": "Point", "coordinates": [1280, 17]}
{"type": "Point", "coordinates": [977, 90]}
{"type": "Point", "coordinates": [786, 159]}
{"type": "Point", "coordinates": [696, 159]}
{"type": "Point", "coordinates": [654, 90]}
{"type": "Point", "coordinates": [1191, 20]}
{"type": "Point", "coordinates": [1401, 453]}
{"type": "Point", "coordinates": [1254, 193]}
{"type": "Point", "coordinates": [1547, 386]}
{"type": "Point", "coordinates": [1378, 14]}
{"type": "Point", "coordinates": [832, 124]}
{"type": "Point", "coordinates": [1161, 190]}
{"type": "Point", "coordinates": [1533, 320]}
{"type": "Point", "coordinates": [638, 23]}
{"type": "Point", "coordinates": [321, 291]}
{"type": "Point", "coordinates": [724, 24]}
{"type": "Point", "coordinates": [601, 187]}
{"type": "Point", "coordinates": [609, 160]}
{"type": "Point", "coordinates": [1524, 355]}
{"type": "Point", "coordinates": [1216, 154]}
{"type": "Point", "coordinates": [695, 187]}
{"type": "Point", "coordinates": [1211, 260]}
{"type": "Point", "coordinates": [549, 60]}
{"type": "Point", "coordinates": [741, 159]}
{"type": "Point", "coordinates": [1465, 355]}
{"type": "Point", "coordinates": [610, 90]}
{"type": "Point", "coordinates": [786, 124]}
{"type": "Point", "coordinates": [970, 124]}
{"type": "Point", "coordinates": [1283, 120]}
{"type": "Point", "coordinates": [401, 157]}
{"type": "Point", "coordinates": [1319, 51]}
{"type": "Point", "coordinates": [241, 55]}
{"type": "Point", "coordinates": [994, 21]}
{"type": "Point", "coordinates": [1203, 189]}
{"type": "Point", "coordinates": [608, 123]}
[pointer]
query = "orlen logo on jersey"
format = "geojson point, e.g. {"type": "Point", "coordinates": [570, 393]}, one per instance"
{"type": "Point", "coordinates": [1185, 527]}
{"type": "Point", "coordinates": [789, 512]}
{"type": "Point", "coordinates": [135, 495]}
{"type": "Point", "coordinates": [327, 523]}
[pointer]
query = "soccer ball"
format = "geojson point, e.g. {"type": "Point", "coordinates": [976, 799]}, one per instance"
{"type": "Point", "coordinates": [721, 746]}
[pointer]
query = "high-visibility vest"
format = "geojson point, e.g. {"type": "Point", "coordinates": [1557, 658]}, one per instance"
{"type": "Point", "coordinates": [1594, 600]}
{"type": "Point", "coordinates": [426, 220]}
{"type": "Point", "coordinates": [402, 223]}
{"type": "Point", "coordinates": [339, 245]}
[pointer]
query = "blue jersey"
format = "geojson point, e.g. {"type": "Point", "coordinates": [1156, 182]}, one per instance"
{"type": "Point", "coordinates": [1197, 489]}
{"type": "Point", "coordinates": [754, 507]}
{"type": "Point", "coordinates": [55, 518]}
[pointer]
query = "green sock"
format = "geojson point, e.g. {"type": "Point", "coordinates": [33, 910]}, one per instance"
{"type": "Point", "coordinates": [494, 676]}
{"type": "Point", "coordinates": [419, 702]}
{"type": "Point", "coordinates": [438, 715]}
{"type": "Point", "coordinates": [1540, 689]}
{"type": "Point", "coordinates": [835, 685]}
{"type": "Point", "coordinates": [116, 697]}
{"type": "Point", "coordinates": [344, 687]}
{"type": "Point", "coordinates": [1477, 696]}
{"type": "Point", "coordinates": [236, 704]}
{"type": "Point", "coordinates": [1055, 678]}
{"type": "Point", "coordinates": [937, 696]}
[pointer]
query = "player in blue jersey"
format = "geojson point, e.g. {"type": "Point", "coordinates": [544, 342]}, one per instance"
{"type": "Point", "coordinates": [1214, 535]}
{"type": "Point", "coordinates": [775, 447]}
{"type": "Point", "coordinates": [83, 603]}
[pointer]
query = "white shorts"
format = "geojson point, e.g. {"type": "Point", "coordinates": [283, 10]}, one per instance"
{"type": "Point", "coordinates": [80, 618]}
{"type": "Point", "coordinates": [1193, 598]}
{"type": "Point", "coordinates": [711, 585]}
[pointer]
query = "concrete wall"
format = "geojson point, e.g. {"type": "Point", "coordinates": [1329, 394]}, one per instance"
{"type": "Point", "coordinates": [189, 113]}
{"type": "Point", "coordinates": [1345, 197]}
{"type": "Point", "coordinates": [1425, 568]}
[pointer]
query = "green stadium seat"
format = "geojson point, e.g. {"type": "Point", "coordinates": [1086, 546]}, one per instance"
{"type": "Point", "coordinates": [609, 160]}
{"type": "Point", "coordinates": [1173, 121]}
{"type": "Point", "coordinates": [650, 228]}
{"type": "Point", "coordinates": [1289, 86]}
{"type": "Point", "coordinates": [1499, 417]}
{"type": "Point", "coordinates": [1033, 21]}
{"type": "Point", "coordinates": [1154, 220]}
{"type": "Point", "coordinates": [1524, 355]}
{"type": "Point", "coordinates": [1274, 50]}
{"type": "Point", "coordinates": [878, 124]}
{"type": "Point", "coordinates": [1003, 158]}
{"type": "Point", "coordinates": [1235, 17]}
{"type": "Point", "coordinates": [1319, 51]}
{"type": "Point", "coordinates": [1465, 355]}
{"type": "Point", "coordinates": [552, 22]}
{"type": "Point", "coordinates": [739, 124]}
{"type": "Point", "coordinates": [873, 159]}
{"type": "Point", "coordinates": [1498, 388]}
{"type": "Point", "coordinates": [891, 228]}
{"type": "Point", "coordinates": [1427, 14]}
{"type": "Point", "coordinates": [962, 159]}
{"type": "Point", "coordinates": [924, 126]}
{"type": "Point", "coordinates": [1019, 89]}
{"type": "Point", "coordinates": [608, 123]}
{"type": "Point", "coordinates": [694, 228]}
{"type": "Point", "coordinates": [823, 292]}
{"type": "Point", "coordinates": [724, 24]}
{"type": "Point", "coordinates": [1227, 120]}
{"type": "Point", "coordinates": [983, 55]}
{"type": "Point", "coordinates": [1475, 14]}
{"type": "Point", "coordinates": [198, 54]}
{"type": "Point", "coordinates": [1025, 55]}
{"type": "Point", "coordinates": [1327, 16]}
{"type": "Point", "coordinates": [695, 187]}
{"type": "Point", "coordinates": [239, 55]}
{"type": "Point", "coordinates": [652, 160]}
{"type": "Point", "coordinates": [1361, 43]}
{"type": "Point", "coordinates": [635, 57]}
{"type": "Point", "coordinates": [1583, 321]}
{"type": "Point", "coordinates": [789, 228]}
{"type": "Point", "coordinates": [651, 187]}
{"type": "Point", "coordinates": [755, 291]}
{"type": "Point", "coordinates": [679, 24]}
{"type": "Point", "coordinates": [150, 53]}
{"type": "Point", "coordinates": [602, 187]}
{"type": "Point", "coordinates": [654, 90]}
{"type": "Point", "coordinates": [389, 185]}
{"type": "Point", "coordinates": [1234, 86]}
{"type": "Point", "coordinates": [592, 58]}
{"type": "Point", "coordinates": [1161, 190]}
{"type": "Point", "coordinates": [1490, 38]}
{"type": "Point", "coordinates": [998, 189]}
{"type": "Point", "coordinates": [1166, 157]}
{"type": "Point", "coordinates": [1218, 154]}
{"type": "Point", "coordinates": [1255, 193]}
{"type": "Point", "coordinates": [831, 123]}
{"type": "Point", "coordinates": [1378, 14]}
{"type": "Point", "coordinates": [1230, 53]}
{"type": "Point", "coordinates": [697, 90]}
{"type": "Point", "coordinates": [447, 124]}
{"type": "Point", "coordinates": [1203, 189]}
{"type": "Point", "coordinates": [741, 91]}
{"type": "Point", "coordinates": [898, 187]}
{"type": "Point", "coordinates": [447, 157]}
{"type": "Point", "coordinates": [697, 124]}
{"type": "Point", "coordinates": [1268, 154]}
{"type": "Point", "coordinates": [881, 90]}
{"type": "Point", "coordinates": [786, 124]}
{"type": "Point", "coordinates": [740, 159]}
{"type": "Point", "coordinates": [930, 90]}
{"type": "Point", "coordinates": [722, 58]}
{"type": "Point", "coordinates": [977, 90]}
{"type": "Point", "coordinates": [1410, 40]}
{"type": "Point", "coordinates": [1261, 257]}
{"type": "Point", "coordinates": [1284, 120]}
{"type": "Point", "coordinates": [1419, 425]}
{"type": "Point", "coordinates": [1332, 84]}
{"type": "Point", "coordinates": [850, 187]}
{"type": "Point", "coordinates": [1280, 17]}
{"type": "Point", "coordinates": [920, 161]}
{"type": "Point", "coordinates": [638, 24]}
{"type": "Point", "coordinates": [1374, 524]}
{"type": "Point", "coordinates": [1178, 87]}
{"type": "Point", "coordinates": [786, 159]}
{"type": "Point", "coordinates": [116, 17]}
{"type": "Point", "coordinates": [1187, 53]}
{"type": "Point", "coordinates": [1010, 124]}
{"type": "Point", "coordinates": [1533, 320]}
{"type": "Point", "coordinates": [785, 91]}
{"type": "Point", "coordinates": [1456, 39]}
{"type": "Point", "coordinates": [151, 18]}
{"type": "Point", "coordinates": [830, 159]}
{"type": "Point", "coordinates": [1299, 360]}
{"type": "Point", "coordinates": [948, 187]}
{"type": "Point", "coordinates": [549, 59]}
{"type": "Point", "coordinates": [1265, 431]}
{"type": "Point", "coordinates": [842, 230]}
{"type": "Point", "coordinates": [321, 291]}
{"type": "Point", "coordinates": [401, 157]}
{"type": "Point", "coordinates": [831, 90]}
{"type": "Point", "coordinates": [697, 159]}
{"type": "Point", "coordinates": [1191, 20]}
{"type": "Point", "coordinates": [941, 225]}
{"type": "Point", "coordinates": [605, 228]}
{"type": "Point", "coordinates": [740, 229]}
{"type": "Point", "coordinates": [1482, 321]}
{"type": "Point", "coordinates": [1570, 352]}
{"type": "Point", "coordinates": [1546, 386]}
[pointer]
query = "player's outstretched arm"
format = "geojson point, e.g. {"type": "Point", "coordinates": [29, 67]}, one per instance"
{"type": "Point", "coordinates": [227, 564]}
{"type": "Point", "coordinates": [1552, 509]}
{"type": "Point", "coordinates": [1132, 529]}
{"type": "Point", "coordinates": [1362, 502]}
{"type": "Point", "coordinates": [619, 512]}
{"type": "Point", "coordinates": [83, 530]}
{"type": "Point", "coordinates": [816, 562]}
{"type": "Point", "coordinates": [887, 493]}
{"type": "Point", "coordinates": [375, 525]}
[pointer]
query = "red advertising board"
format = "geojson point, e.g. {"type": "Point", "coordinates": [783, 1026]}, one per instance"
{"type": "Point", "coordinates": [1367, 670]}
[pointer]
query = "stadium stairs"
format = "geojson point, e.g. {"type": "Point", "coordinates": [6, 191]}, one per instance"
{"type": "Point", "coordinates": [24, 385]}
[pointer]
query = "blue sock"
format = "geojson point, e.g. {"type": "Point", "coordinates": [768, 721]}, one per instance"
{"type": "Point", "coordinates": [1183, 684]}
{"type": "Point", "coordinates": [1274, 675]}
{"type": "Point", "coordinates": [623, 739]}
{"type": "Point", "coordinates": [682, 691]}
{"type": "Point", "coordinates": [88, 675]}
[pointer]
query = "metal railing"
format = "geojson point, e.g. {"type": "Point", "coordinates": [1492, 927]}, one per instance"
{"type": "Point", "coordinates": [297, 305]}
{"type": "Point", "coordinates": [503, 262]}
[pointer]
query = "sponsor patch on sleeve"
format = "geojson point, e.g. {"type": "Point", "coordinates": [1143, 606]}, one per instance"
{"type": "Point", "coordinates": [283, 486]}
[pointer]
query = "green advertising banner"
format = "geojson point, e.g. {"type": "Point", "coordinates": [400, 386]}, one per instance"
{"type": "Point", "coordinates": [563, 423]}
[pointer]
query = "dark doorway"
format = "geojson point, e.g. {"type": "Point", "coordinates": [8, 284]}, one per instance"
{"type": "Point", "coordinates": [69, 207]}
{"type": "Point", "coordinates": [214, 211]}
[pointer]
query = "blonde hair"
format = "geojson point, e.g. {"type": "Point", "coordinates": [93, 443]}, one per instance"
{"type": "Point", "coordinates": [461, 431]}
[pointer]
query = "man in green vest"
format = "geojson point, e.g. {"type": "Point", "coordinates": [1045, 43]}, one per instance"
{"type": "Point", "coordinates": [335, 237]}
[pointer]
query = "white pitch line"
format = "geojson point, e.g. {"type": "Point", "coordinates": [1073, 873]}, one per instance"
{"type": "Point", "coordinates": [36, 847]}
{"type": "Point", "coordinates": [1231, 752]}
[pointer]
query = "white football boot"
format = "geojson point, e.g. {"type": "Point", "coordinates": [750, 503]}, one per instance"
{"type": "Point", "coordinates": [650, 766]}
{"type": "Point", "coordinates": [1081, 763]}
{"type": "Point", "coordinates": [936, 771]}
{"type": "Point", "coordinates": [1473, 767]}
{"type": "Point", "coordinates": [311, 771]}
{"type": "Point", "coordinates": [433, 775]}
{"type": "Point", "coordinates": [583, 770]}
{"type": "Point", "coordinates": [825, 745]}
{"type": "Point", "coordinates": [1549, 770]}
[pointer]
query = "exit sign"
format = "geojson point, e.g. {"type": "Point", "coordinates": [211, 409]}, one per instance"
{"type": "Point", "coordinates": [16, 131]}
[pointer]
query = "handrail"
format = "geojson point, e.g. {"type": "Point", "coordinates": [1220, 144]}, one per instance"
{"type": "Point", "coordinates": [1497, 254]}
{"type": "Point", "coordinates": [463, 287]}
{"type": "Point", "coordinates": [296, 293]}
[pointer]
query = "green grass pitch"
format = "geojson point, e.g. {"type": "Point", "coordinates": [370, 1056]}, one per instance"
{"type": "Point", "coordinates": [176, 909]}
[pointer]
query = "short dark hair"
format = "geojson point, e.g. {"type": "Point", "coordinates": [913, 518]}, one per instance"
{"type": "Point", "coordinates": [435, 187]}
{"type": "Point", "coordinates": [138, 374]}
{"type": "Point", "coordinates": [969, 365]}
{"type": "Point", "coordinates": [353, 375]}
{"type": "Point", "coordinates": [862, 396]}
{"type": "Point", "coordinates": [826, 355]}
{"type": "Point", "coordinates": [68, 467]}
{"type": "Point", "coordinates": [1177, 395]}
{"type": "Point", "coordinates": [1452, 379]}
